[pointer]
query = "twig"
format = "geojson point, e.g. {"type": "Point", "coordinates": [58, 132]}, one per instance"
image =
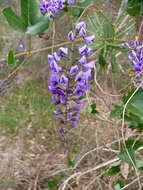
{"type": "Point", "coordinates": [79, 174]}
{"type": "Point", "coordinates": [130, 183]}
{"type": "Point", "coordinates": [61, 44]}
{"type": "Point", "coordinates": [98, 148]}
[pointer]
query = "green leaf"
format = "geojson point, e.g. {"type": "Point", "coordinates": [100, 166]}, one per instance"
{"type": "Point", "coordinates": [52, 184]}
{"type": "Point", "coordinates": [134, 7]}
{"type": "Point", "coordinates": [129, 157]}
{"type": "Point", "coordinates": [135, 122]}
{"type": "Point", "coordinates": [112, 171]}
{"type": "Point", "coordinates": [39, 27]}
{"type": "Point", "coordinates": [70, 163]}
{"type": "Point", "coordinates": [102, 60]}
{"type": "Point", "coordinates": [10, 58]}
{"type": "Point", "coordinates": [135, 144]}
{"type": "Point", "coordinates": [116, 112]}
{"type": "Point", "coordinates": [93, 109]}
{"type": "Point", "coordinates": [25, 11]}
{"type": "Point", "coordinates": [139, 164]}
{"type": "Point", "coordinates": [14, 21]}
{"type": "Point", "coordinates": [118, 47]}
{"type": "Point", "coordinates": [136, 107]}
{"type": "Point", "coordinates": [118, 185]}
{"type": "Point", "coordinates": [34, 11]}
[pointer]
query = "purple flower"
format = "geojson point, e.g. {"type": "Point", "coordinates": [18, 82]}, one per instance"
{"type": "Point", "coordinates": [80, 76]}
{"type": "Point", "coordinates": [70, 1]}
{"type": "Point", "coordinates": [82, 32]}
{"type": "Point", "coordinates": [89, 65]}
{"type": "Point", "coordinates": [126, 44]}
{"type": "Point", "coordinates": [55, 68]}
{"type": "Point", "coordinates": [64, 80]}
{"type": "Point", "coordinates": [81, 25]}
{"type": "Point", "coordinates": [73, 70]}
{"type": "Point", "coordinates": [63, 51]}
{"type": "Point", "coordinates": [21, 47]}
{"type": "Point", "coordinates": [54, 81]}
{"type": "Point", "coordinates": [67, 84]}
{"type": "Point", "coordinates": [85, 50]}
{"type": "Point", "coordinates": [56, 100]}
{"type": "Point", "coordinates": [63, 99]}
{"type": "Point", "coordinates": [56, 57]}
{"type": "Point", "coordinates": [136, 59]}
{"type": "Point", "coordinates": [51, 7]}
{"type": "Point", "coordinates": [62, 130]}
{"type": "Point", "coordinates": [82, 60]}
{"type": "Point", "coordinates": [90, 39]}
{"type": "Point", "coordinates": [87, 74]}
{"type": "Point", "coordinates": [51, 59]}
{"type": "Point", "coordinates": [79, 91]}
{"type": "Point", "coordinates": [57, 112]}
{"type": "Point", "coordinates": [70, 36]}
{"type": "Point", "coordinates": [43, 6]}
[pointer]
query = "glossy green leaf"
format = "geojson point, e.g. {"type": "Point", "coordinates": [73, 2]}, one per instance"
{"type": "Point", "coordinates": [25, 11]}
{"type": "Point", "coordinates": [10, 58]}
{"type": "Point", "coordinates": [34, 11]}
{"type": "Point", "coordinates": [39, 27]}
{"type": "Point", "coordinates": [14, 21]}
{"type": "Point", "coordinates": [30, 11]}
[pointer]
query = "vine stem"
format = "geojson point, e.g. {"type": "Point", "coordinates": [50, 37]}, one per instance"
{"type": "Point", "coordinates": [59, 45]}
{"type": "Point", "coordinates": [124, 142]}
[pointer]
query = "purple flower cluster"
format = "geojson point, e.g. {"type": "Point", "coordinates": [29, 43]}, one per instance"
{"type": "Point", "coordinates": [51, 7]}
{"type": "Point", "coordinates": [136, 58]}
{"type": "Point", "coordinates": [82, 32]}
{"type": "Point", "coordinates": [70, 82]}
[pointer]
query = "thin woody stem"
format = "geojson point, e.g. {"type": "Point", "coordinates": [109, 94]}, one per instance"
{"type": "Point", "coordinates": [61, 44]}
